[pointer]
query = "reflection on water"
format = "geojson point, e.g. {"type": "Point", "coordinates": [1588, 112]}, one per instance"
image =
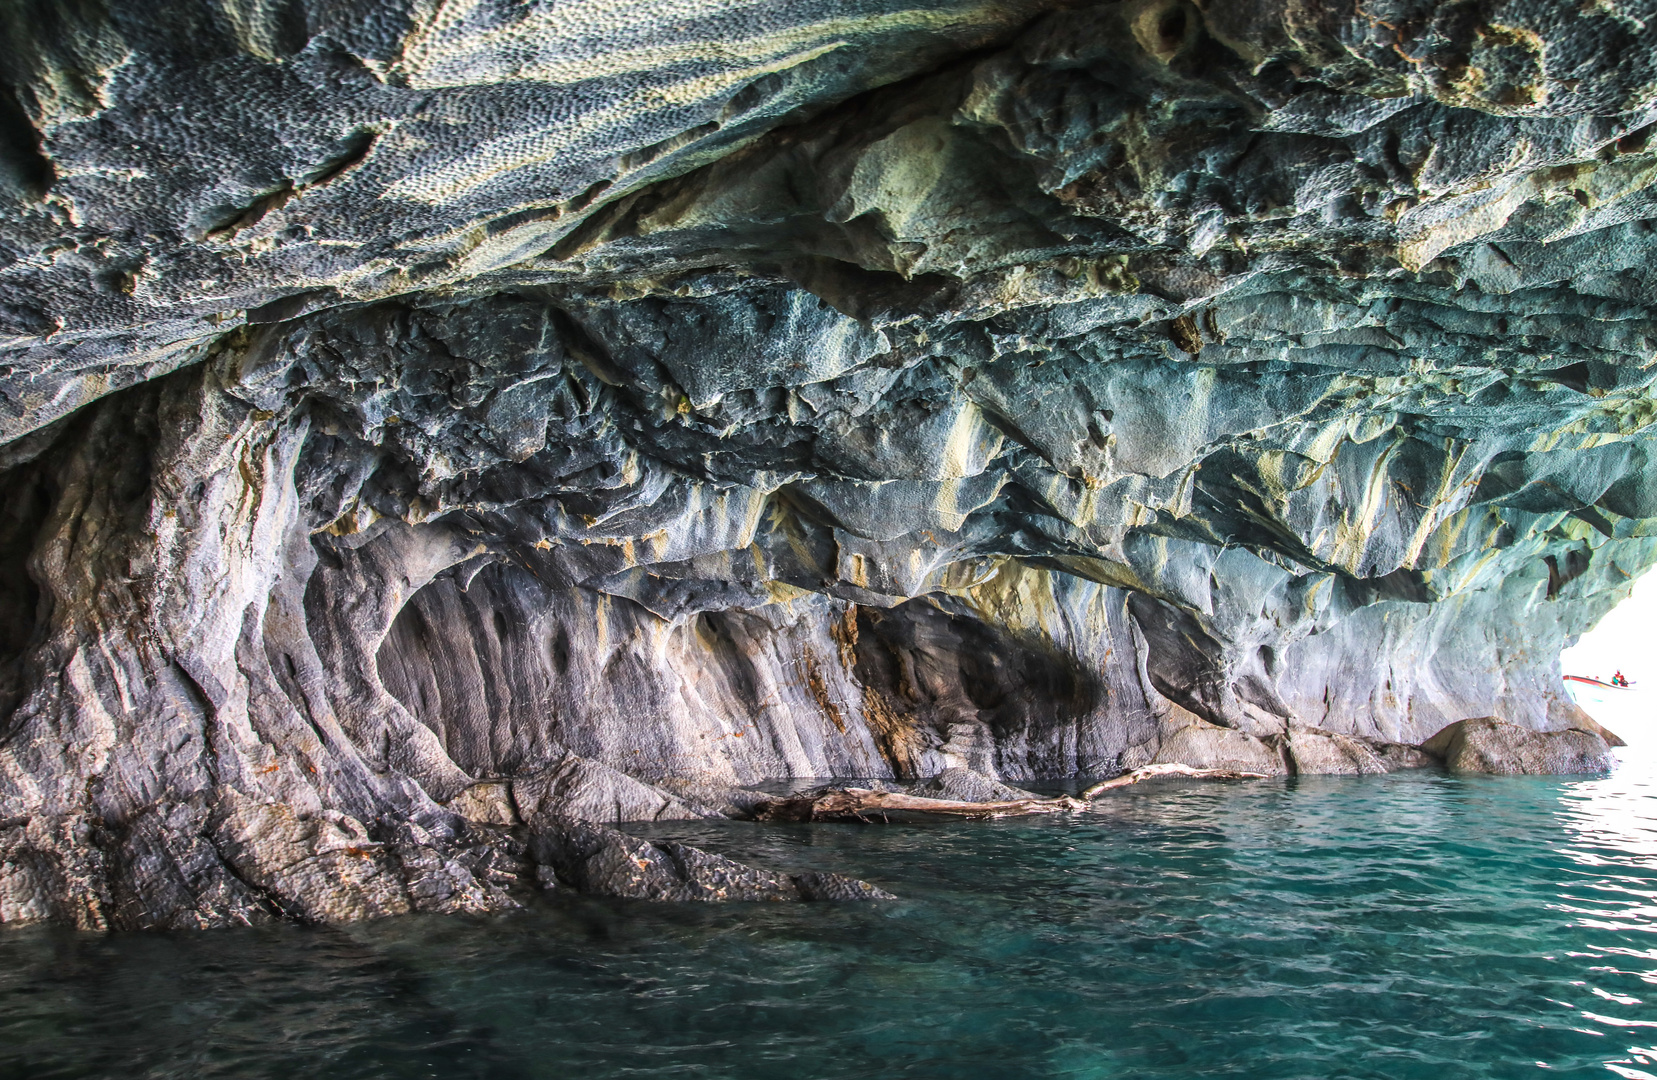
{"type": "Point", "coordinates": [1610, 838]}
{"type": "Point", "coordinates": [1414, 926]}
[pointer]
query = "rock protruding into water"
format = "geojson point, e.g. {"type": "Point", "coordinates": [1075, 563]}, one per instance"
{"type": "Point", "coordinates": [592, 791]}
{"type": "Point", "coordinates": [1202, 745]}
{"type": "Point", "coordinates": [601, 861]}
{"type": "Point", "coordinates": [968, 785]}
{"type": "Point", "coordinates": [418, 427]}
{"type": "Point", "coordinates": [1400, 756]}
{"type": "Point", "coordinates": [1328, 753]}
{"type": "Point", "coordinates": [1489, 745]}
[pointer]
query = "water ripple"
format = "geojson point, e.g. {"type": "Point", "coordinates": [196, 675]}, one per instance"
{"type": "Point", "coordinates": [1395, 927]}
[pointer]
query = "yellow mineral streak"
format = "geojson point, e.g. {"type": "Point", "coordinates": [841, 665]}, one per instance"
{"type": "Point", "coordinates": [1438, 224]}
{"type": "Point", "coordinates": [1353, 533]}
{"type": "Point", "coordinates": [1440, 499]}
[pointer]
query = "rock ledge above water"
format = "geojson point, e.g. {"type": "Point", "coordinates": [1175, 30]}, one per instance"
{"type": "Point", "coordinates": [1489, 745]}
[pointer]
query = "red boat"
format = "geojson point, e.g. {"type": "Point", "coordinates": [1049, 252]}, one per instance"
{"type": "Point", "coordinates": [1598, 682]}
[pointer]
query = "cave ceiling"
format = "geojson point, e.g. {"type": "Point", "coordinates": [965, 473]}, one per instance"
{"type": "Point", "coordinates": [444, 387]}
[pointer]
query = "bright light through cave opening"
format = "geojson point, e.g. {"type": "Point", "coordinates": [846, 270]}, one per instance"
{"type": "Point", "coordinates": [1626, 641]}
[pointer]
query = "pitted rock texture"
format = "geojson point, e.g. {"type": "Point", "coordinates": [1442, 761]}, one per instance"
{"type": "Point", "coordinates": [1487, 745]}
{"type": "Point", "coordinates": [421, 419]}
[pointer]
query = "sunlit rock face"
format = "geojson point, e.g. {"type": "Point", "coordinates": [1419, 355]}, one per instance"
{"type": "Point", "coordinates": [424, 423]}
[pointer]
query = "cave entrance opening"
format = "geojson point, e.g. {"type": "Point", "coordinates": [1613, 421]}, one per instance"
{"type": "Point", "coordinates": [1623, 643]}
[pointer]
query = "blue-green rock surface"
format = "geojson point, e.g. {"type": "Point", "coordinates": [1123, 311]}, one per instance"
{"type": "Point", "coordinates": [410, 407]}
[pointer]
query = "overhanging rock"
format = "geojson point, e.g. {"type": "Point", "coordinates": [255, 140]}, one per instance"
{"type": "Point", "coordinates": [399, 401]}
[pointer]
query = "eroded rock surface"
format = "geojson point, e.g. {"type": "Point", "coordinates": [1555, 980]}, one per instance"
{"type": "Point", "coordinates": [1487, 745]}
{"type": "Point", "coordinates": [965, 785]}
{"type": "Point", "coordinates": [604, 862]}
{"type": "Point", "coordinates": [414, 413]}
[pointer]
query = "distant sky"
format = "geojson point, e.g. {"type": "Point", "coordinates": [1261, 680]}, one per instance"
{"type": "Point", "coordinates": [1625, 639]}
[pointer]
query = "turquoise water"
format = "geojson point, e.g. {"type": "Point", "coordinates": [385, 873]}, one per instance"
{"type": "Point", "coordinates": [1397, 927]}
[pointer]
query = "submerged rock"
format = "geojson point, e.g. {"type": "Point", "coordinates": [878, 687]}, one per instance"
{"type": "Point", "coordinates": [604, 862]}
{"type": "Point", "coordinates": [1489, 745]}
{"type": "Point", "coordinates": [419, 425]}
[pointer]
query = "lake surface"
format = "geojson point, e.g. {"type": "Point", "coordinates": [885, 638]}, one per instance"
{"type": "Point", "coordinates": [1395, 927]}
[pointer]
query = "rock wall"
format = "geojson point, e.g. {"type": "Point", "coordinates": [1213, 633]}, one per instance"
{"type": "Point", "coordinates": [425, 422]}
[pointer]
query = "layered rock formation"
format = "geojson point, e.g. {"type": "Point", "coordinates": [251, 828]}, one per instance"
{"type": "Point", "coordinates": [423, 419]}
